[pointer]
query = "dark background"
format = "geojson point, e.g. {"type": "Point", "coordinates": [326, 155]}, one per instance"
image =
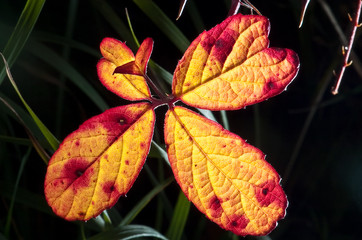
{"type": "Point", "coordinates": [311, 137]}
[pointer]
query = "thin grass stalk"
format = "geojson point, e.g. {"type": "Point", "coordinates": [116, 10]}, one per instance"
{"type": "Point", "coordinates": [47, 134]}
{"type": "Point", "coordinates": [225, 120]}
{"type": "Point", "coordinates": [72, 11]}
{"type": "Point", "coordinates": [160, 19]}
{"type": "Point", "coordinates": [16, 185]}
{"type": "Point", "coordinates": [325, 81]}
{"type": "Point", "coordinates": [144, 201]}
{"type": "Point", "coordinates": [179, 218]}
{"type": "Point", "coordinates": [21, 33]}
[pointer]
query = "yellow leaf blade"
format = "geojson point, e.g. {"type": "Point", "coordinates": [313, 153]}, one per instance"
{"type": "Point", "coordinates": [99, 162]}
{"type": "Point", "coordinates": [231, 66]}
{"type": "Point", "coordinates": [227, 179]}
{"type": "Point", "coordinates": [128, 86]}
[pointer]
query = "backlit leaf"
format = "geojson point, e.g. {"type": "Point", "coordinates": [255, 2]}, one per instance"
{"type": "Point", "coordinates": [231, 66]}
{"type": "Point", "coordinates": [226, 178]}
{"type": "Point", "coordinates": [129, 86]}
{"type": "Point", "coordinates": [139, 66]}
{"type": "Point", "coordinates": [99, 162]}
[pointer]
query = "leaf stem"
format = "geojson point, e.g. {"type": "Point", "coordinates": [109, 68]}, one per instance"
{"type": "Point", "coordinates": [163, 97]}
{"type": "Point", "coordinates": [155, 88]}
{"type": "Point", "coordinates": [347, 52]}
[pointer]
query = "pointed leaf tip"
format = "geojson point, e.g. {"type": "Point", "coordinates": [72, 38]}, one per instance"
{"type": "Point", "coordinates": [230, 66]}
{"type": "Point", "coordinates": [227, 179]}
{"type": "Point", "coordinates": [143, 54]}
{"type": "Point", "coordinates": [139, 65]}
{"type": "Point", "coordinates": [99, 162]}
{"type": "Point", "coordinates": [119, 71]}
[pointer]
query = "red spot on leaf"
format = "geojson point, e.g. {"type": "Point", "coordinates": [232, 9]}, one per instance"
{"type": "Point", "coordinates": [224, 45]}
{"type": "Point", "coordinates": [82, 181]}
{"type": "Point", "coordinates": [58, 182]}
{"type": "Point", "coordinates": [74, 168]}
{"type": "Point", "coordinates": [81, 214]}
{"type": "Point", "coordinates": [77, 172]}
{"type": "Point", "coordinates": [270, 192]}
{"type": "Point", "coordinates": [237, 223]}
{"type": "Point", "coordinates": [215, 207]}
{"type": "Point", "coordinates": [77, 143]}
{"type": "Point", "coordinates": [127, 162]}
{"type": "Point", "coordinates": [207, 44]}
{"type": "Point", "coordinates": [108, 187]}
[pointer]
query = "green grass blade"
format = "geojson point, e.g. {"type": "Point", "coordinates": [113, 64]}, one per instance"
{"type": "Point", "coordinates": [156, 69]}
{"type": "Point", "coordinates": [38, 147]}
{"type": "Point", "coordinates": [56, 61]}
{"type": "Point", "coordinates": [25, 197]}
{"type": "Point", "coordinates": [61, 40]}
{"type": "Point", "coordinates": [161, 72]}
{"type": "Point", "coordinates": [179, 218]}
{"type": "Point", "coordinates": [71, 16]}
{"type": "Point", "coordinates": [159, 18]}
{"type": "Point", "coordinates": [131, 29]}
{"type": "Point", "coordinates": [22, 30]}
{"type": "Point", "coordinates": [15, 140]}
{"type": "Point", "coordinates": [195, 16]}
{"type": "Point", "coordinates": [162, 195]}
{"type": "Point", "coordinates": [208, 114]}
{"type": "Point", "coordinates": [225, 120]}
{"type": "Point", "coordinates": [115, 21]}
{"type": "Point", "coordinates": [16, 185]}
{"type": "Point", "coordinates": [157, 151]}
{"type": "Point", "coordinates": [22, 116]}
{"type": "Point", "coordinates": [128, 232]}
{"type": "Point", "coordinates": [47, 134]}
{"type": "Point", "coordinates": [2, 237]}
{"type": "Point", "coordinates": [144, 201]}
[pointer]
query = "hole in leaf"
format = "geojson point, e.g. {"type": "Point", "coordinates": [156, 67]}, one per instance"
{"type": "Point", "coordinates": [79, 172]}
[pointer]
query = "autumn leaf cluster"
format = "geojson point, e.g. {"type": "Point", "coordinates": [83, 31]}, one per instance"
{"type": "Point", "coordinates": [226, 68]}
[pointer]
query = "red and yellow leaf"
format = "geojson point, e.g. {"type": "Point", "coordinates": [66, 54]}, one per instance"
{"type": "Point", "coordinates": [143, 54]}
{"type": "Point", "coordinates": [139, 66]}
{"type": "Point", "coordinates": [129, 84]}
{"type": "Point", "coordinates": [99, 162]}
{"type": "Point", "coordinates": [231, 66]}
{"type": "Point", "coordinates": [227, 179]}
